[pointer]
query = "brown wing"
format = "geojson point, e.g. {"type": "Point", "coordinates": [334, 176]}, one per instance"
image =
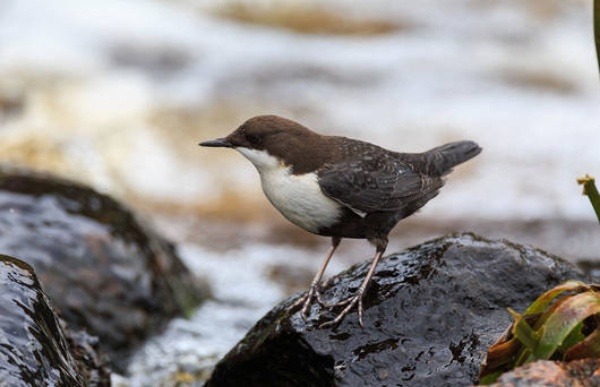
{"type": "Point", "coordinates": [377, 183]}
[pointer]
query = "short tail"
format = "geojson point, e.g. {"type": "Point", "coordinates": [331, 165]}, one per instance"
{"type": "Point", "coordinates": [442, 159]}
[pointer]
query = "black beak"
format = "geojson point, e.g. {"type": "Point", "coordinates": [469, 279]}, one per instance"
{"type": "Point", "coordinates": [217, 143]}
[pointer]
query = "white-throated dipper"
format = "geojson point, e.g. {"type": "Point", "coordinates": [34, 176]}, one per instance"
{"type": "Point", "coordinates": [340, 187]}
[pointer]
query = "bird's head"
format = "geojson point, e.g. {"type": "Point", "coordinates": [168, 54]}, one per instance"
{"type": "Point", "coordinates": [265, 140]}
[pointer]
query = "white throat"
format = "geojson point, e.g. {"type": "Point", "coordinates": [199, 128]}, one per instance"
{"type": "Point", "coordinates": [298, 197]}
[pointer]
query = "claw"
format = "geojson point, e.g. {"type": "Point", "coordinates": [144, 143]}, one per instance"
{"type": "Point", "coordinates": [349, 303]}
{"type": "Point", "coordinates": [357, 300]}
{"type": "Point", "coordinates": [319, 298]}
{"type": "Point", "coordinates": [338, 304]}
{"type": "Point", "coordinates": [298, 302]}
{"type": "Point", "coordinates": [306, 300]}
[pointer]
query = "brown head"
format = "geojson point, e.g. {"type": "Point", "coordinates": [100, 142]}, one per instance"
{"type": "Point", "coordinates": [262, 132]}
{"type": "Point", "coordinates": [279, 137]}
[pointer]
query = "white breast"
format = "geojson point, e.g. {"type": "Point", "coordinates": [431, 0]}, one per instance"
{"type": "Point", "coordinates": [297, 197]}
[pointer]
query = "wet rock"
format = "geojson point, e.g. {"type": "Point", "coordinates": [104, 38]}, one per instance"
{"type": "Point", "coordinates": [430, 315]}
{"type": "Point", "coordinates": [34, 350]}
{"type": "Point", "coordinates": [591, 269]}
{"type": "Point", "coordinates": [585, 372]}
{"type": "Point", "coordinates": [92, 363]}
{"type": "Point", "coordinates": [103, 270]}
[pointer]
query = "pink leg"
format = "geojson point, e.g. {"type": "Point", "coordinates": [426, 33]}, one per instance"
{"type": "Point", "coordinates": [313, 291]}
{"type": "Point", "coordinates": [357, 299]}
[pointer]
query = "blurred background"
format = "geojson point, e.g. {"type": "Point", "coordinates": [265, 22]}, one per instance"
{"type": "Point", "coordinates": [117, 95]}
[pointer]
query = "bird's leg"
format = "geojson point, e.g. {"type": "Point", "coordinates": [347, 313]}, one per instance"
{"type": "Point", "coordinates": [357, 299]}
{"type": "Point", "coordinates": [313, 291]}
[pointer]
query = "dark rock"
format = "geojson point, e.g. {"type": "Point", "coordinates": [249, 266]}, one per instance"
{"type": "Point", "coordinates": [33, 348]}
{"type": "Point", "coordinates": [430, 314]}
{"type": "Point", "coordinates": [103, 270]}
{"type": "Point", "coordinates": [91, 362]}
{"type": "Point", "coordinates": [584, 372]}
{"type": "Point", "coordinates": [591, 268]}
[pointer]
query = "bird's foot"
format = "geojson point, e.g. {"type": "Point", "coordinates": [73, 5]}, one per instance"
{"type": "Point", "coordinates": [306, 300]}
{"type": "Point", "coordinates": [356, 300]}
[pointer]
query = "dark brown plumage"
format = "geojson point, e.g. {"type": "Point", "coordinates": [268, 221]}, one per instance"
{"type": "Point", "coordinates": [341, 187]}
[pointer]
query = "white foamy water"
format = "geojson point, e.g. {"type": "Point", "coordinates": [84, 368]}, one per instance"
{"type": "Point", "coordinates": [243, 293]}
{"type": "Point", "coordinates": [517, 77]}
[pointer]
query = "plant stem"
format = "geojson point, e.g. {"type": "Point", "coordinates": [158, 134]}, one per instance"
{"type": "Point", "coordinates": [589, 185]}
{"type": "Point", "coordinates": [597, 31]}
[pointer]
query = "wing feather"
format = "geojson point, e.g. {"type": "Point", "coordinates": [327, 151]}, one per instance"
{"type": "Point", "coordinates": [382, 183]}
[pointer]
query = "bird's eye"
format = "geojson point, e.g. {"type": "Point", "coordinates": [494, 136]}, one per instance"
{"type": "Point", "coordinates": [252, 139]}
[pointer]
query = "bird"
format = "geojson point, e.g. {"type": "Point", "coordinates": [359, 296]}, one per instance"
{"type": "Point", "coordinates": [340, 187]}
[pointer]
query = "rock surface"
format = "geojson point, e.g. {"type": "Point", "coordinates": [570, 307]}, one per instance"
{"type": "Point", "coordinates": [430, 314]}
{"type": "Point", "coordinates": [34, 349]}
{"type": "Point", "coordinates": [577, 373]}
{"type": "Point", "coordinates": [103, 270]}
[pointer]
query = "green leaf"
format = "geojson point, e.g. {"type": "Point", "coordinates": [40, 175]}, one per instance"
{"type": "Point", "coordinates": [576, 336]}
{"type": "Point", "coordinates": [553, 326]}
{"type": "Point", "coordinates": [564, 320]}
{"type": "Point", "coordinates": [501, 354]}
{"type": "Point", "coordinates": [526, 335]}
{"type": "Point", "coordinates": [545, 299]}
{"type": "Point", "coordinates": [490, 378]}
{"type": "Point", "coordinates": [588, 347]}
